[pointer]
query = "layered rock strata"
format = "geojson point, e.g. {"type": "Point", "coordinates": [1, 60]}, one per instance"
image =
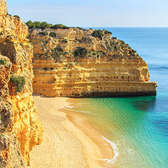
{"type": "Point", "coordinates": [26, 128]}
{"type": "Point", "coordinates": [75, 62]}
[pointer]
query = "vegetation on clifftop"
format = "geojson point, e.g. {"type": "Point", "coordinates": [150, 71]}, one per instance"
{"type": "Point", "coordinates": [98, 33]}
{"type": "Point", "coordinates": [17, 16]}
{"type": "Point", "coordinates": [57, 26]}
{"type": "Point", "coordinates": [82, 44]}
{"type": "Point", "coordinates": [37, 24]}
{"type": "Point", "coordinates": [43, 25]}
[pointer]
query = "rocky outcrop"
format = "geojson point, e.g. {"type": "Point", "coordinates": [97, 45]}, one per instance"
{"type": "Point", "coordinates": [26, 129]}
{"type": "Point", "coordinates": [77, 62]}
{"type": "Point", "coordinates": [10, 155]}
{"type": "Point", "coordinates": [3, 7]}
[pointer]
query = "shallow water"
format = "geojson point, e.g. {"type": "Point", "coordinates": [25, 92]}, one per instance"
{"type": "Point", "coordinates": [137, 125]}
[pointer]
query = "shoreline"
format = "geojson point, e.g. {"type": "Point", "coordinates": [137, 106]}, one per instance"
{"type": "Point", "coordinates": [69, 140]}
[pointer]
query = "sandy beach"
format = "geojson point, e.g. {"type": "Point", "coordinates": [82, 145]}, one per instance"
{"type": "Point", "coordinates": [69, 140]}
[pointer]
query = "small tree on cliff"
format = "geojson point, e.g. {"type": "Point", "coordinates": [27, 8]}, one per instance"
{"type": "Point", "coordinates": [80, 52]}
{"type": "Point", "coordinates": [37, 24]}
{"type": "Point", "coordinates": [57, 53]}
{"type": "Point", "coordinates": [98, 33]}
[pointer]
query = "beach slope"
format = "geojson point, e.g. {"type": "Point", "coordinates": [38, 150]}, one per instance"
{"type": "Point", "coordinates": [66, 144]}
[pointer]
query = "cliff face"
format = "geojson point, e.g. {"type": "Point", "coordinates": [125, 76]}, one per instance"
{"type": "Point", "coordinates": [10, 155]}
{"type": "Point", "coordinates": [78, 62]}
{"type": "Point", "coordinates": [15, 46]}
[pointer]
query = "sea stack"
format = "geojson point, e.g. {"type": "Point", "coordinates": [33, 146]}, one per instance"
{"type": "Point", "coordinates": [20, 129]}
{"type": "Point", "coordinates": [76, 62]}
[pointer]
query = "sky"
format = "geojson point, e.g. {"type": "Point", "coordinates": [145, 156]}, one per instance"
{"type": "Point", "coordinates": [93, 13]}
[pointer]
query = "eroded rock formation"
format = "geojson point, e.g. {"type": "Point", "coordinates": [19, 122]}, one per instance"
{"type": "Point", "coordinates": [10, 153]}
{"type": "Point", "coordinates": [20, 112]}
{"type": "Point", "coordinates": [77, 62]}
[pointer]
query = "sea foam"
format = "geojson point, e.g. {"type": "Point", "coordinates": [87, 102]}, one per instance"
{"type": "Point", "coordinates": [116, 152]}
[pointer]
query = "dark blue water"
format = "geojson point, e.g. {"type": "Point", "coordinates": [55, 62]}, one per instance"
{"type": "Point", "coordinates": [138, 126]}
{"type": "Point", "coordinates": [152, 45]}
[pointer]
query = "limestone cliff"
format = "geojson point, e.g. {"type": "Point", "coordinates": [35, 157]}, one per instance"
{"type": "Point", "coordinates": [77, 62]}
{"type": "Point", "coordinates": [18, 91]}
{"type": "Point", "coordinates": [10, 155]}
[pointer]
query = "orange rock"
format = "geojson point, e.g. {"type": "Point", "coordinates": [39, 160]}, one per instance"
{"type": "Point", "coordinates": [15, 46]}
{"type": "Point", "coordinates": [109, 68]}
{"type": "Point", "coordinates": [3, 7]}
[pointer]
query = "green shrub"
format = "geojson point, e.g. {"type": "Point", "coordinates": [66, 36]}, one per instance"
{"type": "Point", "coordinates": [132, 52]}
{"type": "Point", "coordinates": [107, 32]}
{"type": "Point", "coordinates": [86, 39]}
{"type": "Point", "coordinates": [57, 53]}
{"type": "Point", "coordinates": [43, 33]}
{"type": "Point", "coordinates": [59, 49]}
{"type": "Point", "coordinates": [61, 26]}
{"type": "Point", "coordinates": [46, 69]}
{"type": "Point", "coordinates": [30, 24]}
{"type": "Point", "coordinates": [19, 81]}
{"type": "Point", "coordinates": [52, 34]}
{"type": "Point", "coordinates": [98, 33]}
{"type": "Point", "coordinates": [80, 28]}
{"type": "Point", "coordinates": [80, 52]}
{"type": "Point", "coordinates": [37, 24]}
{"type": "Point", "coordinates": [2, 62]}
{"type": "Point", "coordinates": [43, 25]}
{"type": "Point", "coordinates": [114, 38]}
{"type": "Point", "coordinates": [64, 41]}
{"type": "Point", "coordinates": [115, 48]}
{"type": "Point", "coordinates": [17, 16]}
{"type": "Point", "coordinates": [9, 14]}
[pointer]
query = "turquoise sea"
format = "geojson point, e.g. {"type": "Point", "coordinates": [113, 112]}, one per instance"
{"type": "Point", "coordinates": [137, 127]}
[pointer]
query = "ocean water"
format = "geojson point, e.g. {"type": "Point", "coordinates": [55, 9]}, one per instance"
{"type": "Point", "coordinates": [138, 126]}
